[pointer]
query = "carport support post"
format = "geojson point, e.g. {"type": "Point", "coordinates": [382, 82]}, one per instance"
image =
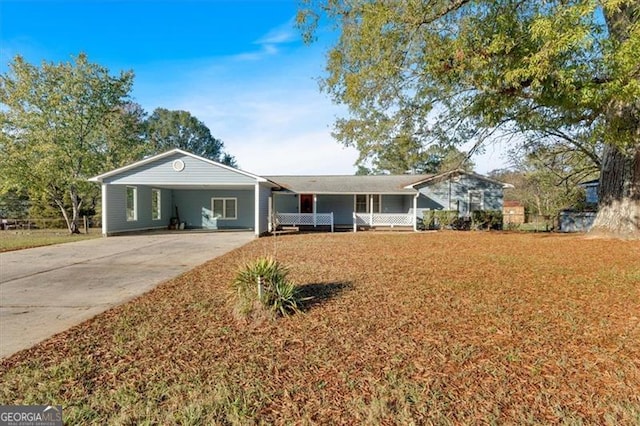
{"type": "Point", "coordinates": [105, 210]}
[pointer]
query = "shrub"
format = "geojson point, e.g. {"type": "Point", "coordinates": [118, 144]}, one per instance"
{"type": "Point", "coordinates": [486, 219]}
{"type": "Point", "coordinates": [279, 295]}
{"type": "Point", "coordinates": [439, 219]}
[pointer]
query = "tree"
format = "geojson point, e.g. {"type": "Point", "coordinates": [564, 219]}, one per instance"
{"type": "Point", "coordinates": [407, 155]}
{"type": "Point", "coordinates": [59, 127]}
{"type": "Point", "coordinates": [14, 204]}
{"type": "Point", "coordinates": [179, 129]}
{"type": "Point", "coordinates": [472, 70]}
{"type": "Point", "coordinates": [546, 181]}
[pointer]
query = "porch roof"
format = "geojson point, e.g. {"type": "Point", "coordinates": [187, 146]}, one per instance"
{"type": "Point", "coordinates": [349, 184]}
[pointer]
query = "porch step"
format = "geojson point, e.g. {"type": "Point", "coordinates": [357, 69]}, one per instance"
{"type": "Point", "coordinates": [287, 230]}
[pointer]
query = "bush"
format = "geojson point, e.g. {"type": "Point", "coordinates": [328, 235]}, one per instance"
{"type": "Point", "coordinates": [279, 295]}
{"type": "Point", "coordinates": [439, 219]}
{"type": "Point", "coordinates": [486, 219]}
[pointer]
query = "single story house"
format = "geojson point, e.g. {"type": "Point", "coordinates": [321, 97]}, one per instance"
{"type": "Point", "coordinates": [182, 188]}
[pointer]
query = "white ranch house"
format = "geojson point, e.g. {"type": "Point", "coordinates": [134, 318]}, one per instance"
{"type": "Point", "coordinates": [198, 193]}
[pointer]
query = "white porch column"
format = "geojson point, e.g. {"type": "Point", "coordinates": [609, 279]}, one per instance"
{"type": "Point", "coordinates": [415, 212]}
{"type": "Point", "coordinates": [371, 210]}
{"type": "Point", "coordinates": [315, 201]}
{"type": "Point", "coordinates": [105, 209]}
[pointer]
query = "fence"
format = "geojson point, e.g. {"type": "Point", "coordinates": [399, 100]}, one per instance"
{"type": "Point", "coordinates": [42, 223]}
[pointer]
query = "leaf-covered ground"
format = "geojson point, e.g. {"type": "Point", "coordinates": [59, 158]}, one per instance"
{"type": "Point", "coordinates": [426, 328]}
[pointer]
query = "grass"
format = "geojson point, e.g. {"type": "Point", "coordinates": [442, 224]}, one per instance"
{"type": "Point", "coordinates": [22, 238]}
{"type": "Point", "coordinates": [404, 328]}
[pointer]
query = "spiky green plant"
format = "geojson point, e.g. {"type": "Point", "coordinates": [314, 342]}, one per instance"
{"type": "Point", "coordinates": [279, 295]}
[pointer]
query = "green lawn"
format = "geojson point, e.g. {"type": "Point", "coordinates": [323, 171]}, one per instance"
{"type": "Point", "coordinates": [402, 328]}
{"type": "Point", "coordinates": [20, 239]}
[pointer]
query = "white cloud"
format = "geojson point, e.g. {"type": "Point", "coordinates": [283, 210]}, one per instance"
{"type": "Point", "coordinates": [284, 33]}
{"type": "Point", "coordinates": [269, 43]}
{"type": "Point", "coordinates": [267, 108]}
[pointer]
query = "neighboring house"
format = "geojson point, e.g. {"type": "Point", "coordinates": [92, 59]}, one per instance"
{"type": "Point", "coordinates": [177, 186]}
{"type": "Point", "coordinates": [513, 212]}
{"type": "Point", "coordinates": [591, 191]}
{"type": "Point", "coordinates": [581, 221]}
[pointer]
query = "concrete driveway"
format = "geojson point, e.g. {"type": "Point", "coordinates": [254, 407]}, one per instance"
{"type": "Point", "coordinates": [46, 290]}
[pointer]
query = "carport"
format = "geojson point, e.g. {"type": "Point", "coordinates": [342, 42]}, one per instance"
{"type": "Point", "coordinates": [177, 189]}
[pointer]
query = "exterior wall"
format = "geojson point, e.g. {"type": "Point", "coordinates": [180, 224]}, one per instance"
{"type": "Point", "coordinates": [396, 203]}
{"type": "Point", "coordinates": [285, 203]}
{"type": "Point", "coordinates": [116, 197]}
{"type": "Point", "coordinates": [591, 192]}
{"type": "Point", "coordinates": [450, 194]}
{"type": "Point", "coordinates": [340, 205]}
{"type": "Point", "coordinates": [569, 221]}
{"type": "Point", "coordinates": [195, 171]}
{"type": "Point", "coordinates": [194, 207]}
{"type": "Point", "coordinates": [264, 193]}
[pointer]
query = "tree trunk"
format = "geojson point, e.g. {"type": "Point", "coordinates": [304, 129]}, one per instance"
{"type": "Point", "coordinates": [65, 214]}
{"type": "Point", "coordinates": [619, 194]}
{"type": "Point", "coordinates": [75, 207]}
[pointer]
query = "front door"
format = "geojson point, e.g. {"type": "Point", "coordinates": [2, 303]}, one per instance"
{"type": "Point", "coordinates": [306, 203]}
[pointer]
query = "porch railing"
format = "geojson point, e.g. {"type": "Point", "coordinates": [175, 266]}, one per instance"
{"type": "Point", "coordinates": [308, 219]}
{"type": "Point", "coordinates": [382, 219]}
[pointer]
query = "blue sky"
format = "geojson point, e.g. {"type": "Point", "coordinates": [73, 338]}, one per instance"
{"type": "Point", "coordinates": [239, 66]}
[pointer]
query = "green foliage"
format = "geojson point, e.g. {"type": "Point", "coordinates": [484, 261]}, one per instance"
{"type": "Point", "coordinates": [546, 180]}
{"type": "Point", "coordinates": [439, 219]}
{"type": "Point", "coordinates": [486, 219]}
{"type": "Point", "coordinates": [279, 295]}
{"type": "Point", "coordinates": [61, 124]}
{"type": "Point", "coordinates": [472, 71]}
{"type": "Point", "coordinates": [406, 155]}
{"type": "Point", "coordinates": [167, 129]}
{"type": "Point", "coordinates": [14, 204]}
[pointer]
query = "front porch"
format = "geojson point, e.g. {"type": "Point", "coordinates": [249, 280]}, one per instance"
{"type": "Point", "coordinates": [353, 211]}
{"type": "Point", "coordinates": [360, 220]}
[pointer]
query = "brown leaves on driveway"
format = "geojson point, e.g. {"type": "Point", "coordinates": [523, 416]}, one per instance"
{"type": "Point", "coordinates": [399, 328]}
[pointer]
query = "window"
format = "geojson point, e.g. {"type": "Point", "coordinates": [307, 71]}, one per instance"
{"type": "Point", "coordinates": [132, 203]}
{"type": "Point", "coordinates": [224, 208]}
{"type": "Point", "coordinates": [363, 203]}
{"type": "Point", "coordinates": [475, 201]}
{"type": "Point", "coordinates": [156, 205]}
